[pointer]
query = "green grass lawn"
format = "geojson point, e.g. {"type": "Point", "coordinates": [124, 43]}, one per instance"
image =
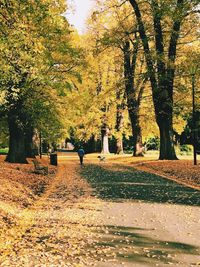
{"type": "Point", "coordinates": [3, 150]}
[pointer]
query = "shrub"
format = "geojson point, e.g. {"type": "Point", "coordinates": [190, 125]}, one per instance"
{"type": "Point", "coordinates": [185, 149]}
{"type": "Point", "coordinates": [153, 143]}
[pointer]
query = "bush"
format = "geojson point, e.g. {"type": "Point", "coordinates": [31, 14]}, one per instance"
{"type": "Point", "coordinates": [153, 143]}
{"type": "Point", "coordinates": [185, 149]}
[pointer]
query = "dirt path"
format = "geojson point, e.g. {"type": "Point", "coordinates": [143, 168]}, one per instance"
{"type": "Point", "coordinates": [55, 230]}
{"type": "Point", "coordinates": [109, 216]}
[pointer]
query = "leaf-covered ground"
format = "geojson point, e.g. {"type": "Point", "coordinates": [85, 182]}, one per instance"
{"type": "Point", "coordinates": [103, 214]}
{"type": "Point", "coordinates": [182, 171]}
{"type": "Point", "coordinates": [20, 188]}
{"type": "Point", "coordinates": [52, 229]}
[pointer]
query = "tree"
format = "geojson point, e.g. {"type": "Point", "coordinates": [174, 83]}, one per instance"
{"type": "Point", "coordinates": [161, 64]}
{"type": "Point", "coordinates": [121, 35]}
{"type": "Point", "coordinates": [38, 63]}
{"type": "Point", "coordinates": [92, 114]}
{"type": "Point", "coordinates": [133, 100]}
{"type": "Point", "coordinates": [119, 126]}
{"type": "Point", "coordinates": [191, 132]}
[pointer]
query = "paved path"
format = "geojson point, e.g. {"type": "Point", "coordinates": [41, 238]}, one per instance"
{"type": "Point", "coordinates": [149, 221]}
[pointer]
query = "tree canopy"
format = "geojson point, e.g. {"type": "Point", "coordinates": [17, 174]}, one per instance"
{"type": "Point", "coordinates": [128, 75]}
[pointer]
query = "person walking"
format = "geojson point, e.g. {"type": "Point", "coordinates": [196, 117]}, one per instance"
{"type": "Point", "coordinates": [81, 154]}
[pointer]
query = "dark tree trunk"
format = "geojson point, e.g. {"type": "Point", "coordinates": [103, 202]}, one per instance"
{"type": "Point", "coordinates": [105, 141]}
{"type": "Point", "coordinates": [29, 143]}
{"type": "Point", "coordinates": [16, 153]}
{"type": "Point", "coordinates": [91, 145]}
{"type": "Point", "coordinates": [119, 145]}
{"type": "Point", "coordinates": [164, 115]}
{"type": "Point", "coordinates": [137, 139]}
{"type": "Point", "coordinates": [95, 146]}
{"type": "Point", "coordinates": [119, 125]}
{"type": "Point", "coordinates": [136, 132]}
{"type": "Point", "coordinates": [132, 101]}
{"type": "Point", "coordinates": [167, 151]}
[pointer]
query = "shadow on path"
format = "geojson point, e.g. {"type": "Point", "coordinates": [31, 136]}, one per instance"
{"type": "Point", "coordinates": [131, 244]}
{"type": "Point", "coordinates": [126, 183]}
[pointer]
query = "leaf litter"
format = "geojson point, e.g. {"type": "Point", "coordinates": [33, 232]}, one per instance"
{"type": "Point", "coordinates": [61, 226]}
{"type": "Point", "coordinates": [48, 229]}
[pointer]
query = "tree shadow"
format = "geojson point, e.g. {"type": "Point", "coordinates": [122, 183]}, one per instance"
{"type": "Point", "coordinates": [131, 184]}
{"type": "Point", "coordinates": [130, 244]}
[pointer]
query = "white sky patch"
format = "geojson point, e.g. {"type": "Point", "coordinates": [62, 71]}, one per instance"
{"type": "Point", "coordinates": [82, 10]}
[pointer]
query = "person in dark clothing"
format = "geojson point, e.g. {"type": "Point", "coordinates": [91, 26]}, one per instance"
{"type": "Point", "coordinates": [81, 154]}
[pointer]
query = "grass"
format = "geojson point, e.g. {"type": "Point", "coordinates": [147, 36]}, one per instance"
{"type": "Point", "coordinates": [3, 151]}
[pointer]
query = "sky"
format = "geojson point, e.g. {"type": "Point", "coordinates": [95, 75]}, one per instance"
{"type": "Point", "coordinates": [82, 9]}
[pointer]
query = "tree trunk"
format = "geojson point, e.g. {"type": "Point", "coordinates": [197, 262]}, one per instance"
{"type": "Point", "coordinates": [162, 75]}
{"type": "Point", "coordinates": [167, 151]}
{"type": "Point", "coordinates": [163, 103]}
{"type": "Point", "coordinates": [16, 153]}
{"type": "Point", "coordinates": [137, 134]}
{"type": "Point", "coordinates": [91, 145]}
{"type": "Point", "coordinates": [137, 142]}
{"type": "Point", "coordinates": [29, 144]}
{"type": "Point", "coordinates": [119, 126]}
{"type": "Point", "coordinates": [119, 145]}
{"type": "Point", "coordinates": [105, 143]}
{"type": "Point", "coordinates": [133, 102]}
